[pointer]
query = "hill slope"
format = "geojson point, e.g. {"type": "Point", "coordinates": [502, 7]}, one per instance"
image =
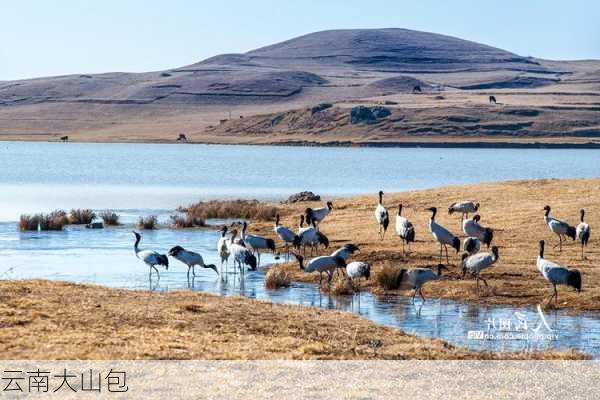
{"type": "Point", "coordinates": [329, 66]}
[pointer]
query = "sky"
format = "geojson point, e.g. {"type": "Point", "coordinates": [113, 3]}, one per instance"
{"type": "Point", "coordinates": [57, 37]}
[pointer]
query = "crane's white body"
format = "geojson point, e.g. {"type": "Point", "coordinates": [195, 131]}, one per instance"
{"type": "Point", "coordinates": [358, 269]}
{"type": "Point", "coordinates": [415, 278]}
{"type": "Point", "coordinates": [478, 262]}
{"type": "Point", "coordinates": [560, 228]}
{"type": "Point", "coordinates": [442, 235]}
{"type": "Point", "coordinates": [583, 232]}
{"type": "Point", "coordinates": [149, 257]}
{"type": "Point", "coordinates": [382, 216]}
{"type": "Point", "coordinates": [404, 228]}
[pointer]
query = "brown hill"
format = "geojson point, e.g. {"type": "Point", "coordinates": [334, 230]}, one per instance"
{"type": "Point", "coordinates": [332, 66]}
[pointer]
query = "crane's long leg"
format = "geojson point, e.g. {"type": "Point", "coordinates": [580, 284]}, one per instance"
{"type": "Point", "coordinates": [421, 293]}
{"type": "Point", "coordinates": [441, 253]}
{"type": "Point", "coordinates": [447, 259]}
{"type": "Point", "coordinates": [555, 296]}
{"type": "Point", "coordinates": [412, 298]}
{"type": "Point", "coordinates": [188, 274]}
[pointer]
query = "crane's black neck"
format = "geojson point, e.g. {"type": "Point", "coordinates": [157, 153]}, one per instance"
{"type": "Point", "coordinates": [542, 249]}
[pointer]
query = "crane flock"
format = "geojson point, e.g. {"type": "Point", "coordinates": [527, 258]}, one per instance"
{"type": "Point", "coordinates": [246, 250]}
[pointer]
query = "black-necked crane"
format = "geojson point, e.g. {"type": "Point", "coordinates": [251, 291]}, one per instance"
{"type": "Point", "coordinates": [583, 231]}
{"type": "Point", "coordinates": [317, 215]}
{"type": "Point", "coordinates": [560, 228]}
{"type": "Point", "coordinates": [150, 257]}
{"type": "Point", "coordinates": [478, 262]}
{"type": "Point", "coordinates": [327, 264]}
{"type": "Point", "coordinates": [223, 250]}
{"type": "Point", "coordinates": [358, 269]}
{"type": "Point", "coordinates": [256, 243]}
{"type": "Point", "coordinates": [311, 236]}
{"type": "Point", "coordinates": [241, 254]}
{"type": "Point", "coordinates": [472, 228]}
{"type": "Point", "coordinates": [471, 245]}
{"type": "Point", "coordinates": [415, 278]}
{"type": "Point", "coordinates": [346, 251]}
{"type": "Point", "coordinates": [382, 216]}
{"type": "Point", "coordinates": [442, 235]}
{"type": "Point", "coordinates": [191, 259]}
{"type": "Point", "coordinates": [404, 229]}
{"type": "Point", "coordinates": [464, 208]}
{"type": "Point", "coordinates": [557, 274]}
{"type": "Point", "coordinates": [287, 236]}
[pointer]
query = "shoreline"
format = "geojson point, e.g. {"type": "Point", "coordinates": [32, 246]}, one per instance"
{"type": "Point", "coordinates": [478, 144]}
{"type": "Point", "coordinates": [102, 323]}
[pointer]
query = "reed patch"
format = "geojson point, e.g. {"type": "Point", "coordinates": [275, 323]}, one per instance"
{"type": "Point", "coordinates": [54, 221]}
{"type": "Point", "coordinates": [224, 209]}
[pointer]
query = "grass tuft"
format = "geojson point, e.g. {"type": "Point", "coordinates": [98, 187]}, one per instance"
{"type": "Point", "coordinates": [277, 278]}
{"type": "Point", "coordinates": [223, 209]}
{"type": "Point", "coordinates": [187, 221]}
{"type": "Point", "coordinates": [388, 277]}
{"type": "Point", "coordinates": [149, 222]}
{"type": "Point", "coordinates": [54, 221]}
{"type": "Point", "coordinates": [110, 218]}
{"type": "Point", "coordinates": [81, 216]}
{"type": "Point", "coordinates": [341, 286]}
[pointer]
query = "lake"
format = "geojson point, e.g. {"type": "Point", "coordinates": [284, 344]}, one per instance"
{"type": "Point", "coordinates": [144, 179]}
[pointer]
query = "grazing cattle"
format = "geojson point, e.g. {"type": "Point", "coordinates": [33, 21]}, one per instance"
{"type": "Point", "coordinates": [493, 100]}
{"type": "Point", "coordinates": [182, 138]}
{"type": "Point", "coordinates": [64, 138]}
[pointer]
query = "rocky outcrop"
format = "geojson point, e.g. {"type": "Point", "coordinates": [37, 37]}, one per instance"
{"type": "Point", "coordinates": [303, 196]}
{"type": "Point", "coordinates": [362, 114]}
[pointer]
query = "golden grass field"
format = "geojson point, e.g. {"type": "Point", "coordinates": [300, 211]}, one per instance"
{"type": "Point", "coordinates": [512, 209]}
{"type": "Point", "coordinates": [56, 320]}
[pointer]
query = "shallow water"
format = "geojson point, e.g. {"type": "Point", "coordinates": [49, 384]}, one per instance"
{"type": "Point", "coordinates": [144, 179]}
{"type": "Point", "coordinates": [106, 257]}
{"type": "Point", "coordinates": [44, 176]}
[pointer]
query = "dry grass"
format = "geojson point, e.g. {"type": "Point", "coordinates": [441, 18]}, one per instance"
{"type": "Point", "coordinates": [54, 221]}
{"type": "Point", "coordinates": [341, 286]}
{"type": "Point", "coordinates": [513, 209]}
{"type": "Point", "coordinates": [387, 277]}
{"type": "Point", "coordinates": [182, 222]}
{"type": "Point", "coordinates": [101, 323]}
{"type": "Point", "coordinates": [276, 278]}
{"type": "Point", "coordinates": [223, 209]}
{"type": "Point", "coordinates": [81, 216]}
{"type": "Point", "coordinates": [149, 222]}
{"type": "Point", "coordinates": [110, 218]}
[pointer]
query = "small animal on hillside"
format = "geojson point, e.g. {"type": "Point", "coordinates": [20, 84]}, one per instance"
{"type": "Point", "coordinates": [182, 138]}
{"type": "Point", "coordinates": [493, 100]}
{"type": "Point", "coordinates": [417, 89]}
{"type": "Point", "coordinates": [64, 138]}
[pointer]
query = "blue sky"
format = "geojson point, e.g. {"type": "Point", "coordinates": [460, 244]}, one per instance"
{"type": "Point", "coordinates": [52, 37]}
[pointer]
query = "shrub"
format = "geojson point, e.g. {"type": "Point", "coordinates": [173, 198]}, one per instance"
{"type": "Point", "coordinates": [148, 222]}
{"type": "Point", "coordinates": [277, 278]}
{"type": "Point", "coordinates": [341, 286]}
{"type": "Point", "coordinates": [81, 216]}
{"type": "Point", "coordinates": [54, 221]}
{"type": "Point", "coordinates": [388, 277]}
{"type": "Point", "coordinates": [110, 218]}
{"type": "Point", "coordinates": [223, 209]}
{"type": "Point", "coordinates": [178, 221]}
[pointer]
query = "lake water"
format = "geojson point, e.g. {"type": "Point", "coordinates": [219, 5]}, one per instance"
{"type": "Point", "coordinates": [43, 176]}
{"type": "Point", "coordinates": [139, 179]}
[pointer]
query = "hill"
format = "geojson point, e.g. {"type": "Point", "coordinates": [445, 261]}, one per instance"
{"type": "Point", "coordinates": [334, 66]}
